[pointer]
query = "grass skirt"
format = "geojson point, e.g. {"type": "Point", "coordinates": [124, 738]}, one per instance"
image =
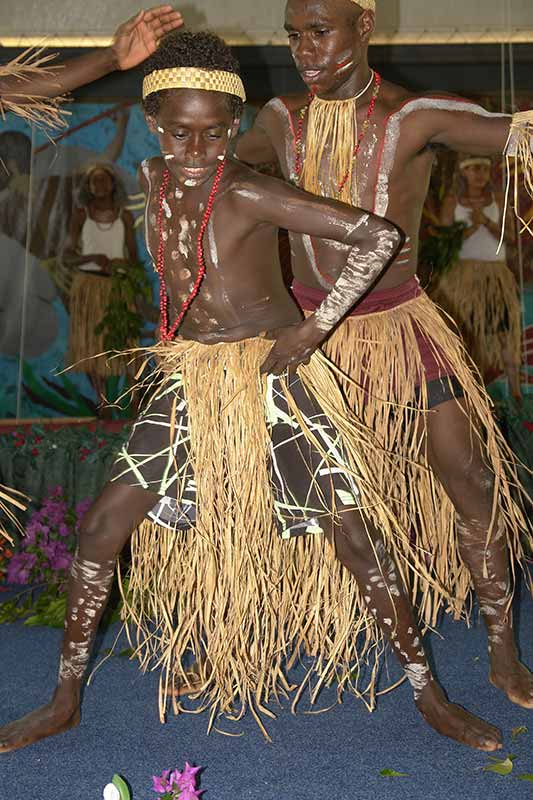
{"type": "Point", "coordinates": [89, 298]}
{"type": "Point", "coordinates": [231, 590]}
{"type": "Point", "coordinates": [388, 392]}
{"type": "Point", "coordinates": [482, 299]}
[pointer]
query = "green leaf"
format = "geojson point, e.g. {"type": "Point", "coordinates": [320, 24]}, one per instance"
{"type": "Point", "coordinates": [516, 732]}
{"type": "Point", "coordinates": [527, 776]}
{"type": "Point", "coordinates": [501, 766]}
{"type": "Point", "coordinates": [391, 773]}
{"type": "Point", "coordinates": [122, 786]}
{"type": "Point", "coordinates": [126, 653]}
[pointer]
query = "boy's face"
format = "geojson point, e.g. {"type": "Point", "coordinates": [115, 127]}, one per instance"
{"type": "Point", "coordinates": [327, 39]}
{"type": "Point", "coordinates": [194, 128]}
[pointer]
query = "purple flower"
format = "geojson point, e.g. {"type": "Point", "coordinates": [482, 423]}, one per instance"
{"type": "Point", "coordinates": [83, 507]}
{"type": "Point", "coordinates": [64, 529]}
{"type": "Point", "coordinates": [187, 779]}
{"type": "Point", "coordinates": [19, 567]}
{"type": "Point", "coordinates": [174, 778]}
{"type": "Point", "coordinates": [190, 794]}
{"type": "Point", "coordinates": [161, 783]}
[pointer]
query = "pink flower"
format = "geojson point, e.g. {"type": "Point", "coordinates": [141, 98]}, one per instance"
{"type": "Point", "coordinates": [161, 783]}
{"type": "Point", "coordinates": [187, 779]}
{"type": "Point", "coordinates": [190, 794]}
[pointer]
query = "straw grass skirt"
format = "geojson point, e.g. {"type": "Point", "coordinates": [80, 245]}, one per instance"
{"type": "Point", "coordinates": [90, 296]}
{"type": "Point", "coordinates": [388, 356]}
{"type": "Point", "coordinates": [483, 300]}
{"type": "Point", "coordinates": [238, 459]}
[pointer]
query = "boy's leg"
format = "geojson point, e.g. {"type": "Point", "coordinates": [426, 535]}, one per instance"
{"type": "Point", "coordinates": [455, 456]}
{"type": "Point", "coordinates": [104, 531]}
{"type": "Point", "coordinates": [362, 552]}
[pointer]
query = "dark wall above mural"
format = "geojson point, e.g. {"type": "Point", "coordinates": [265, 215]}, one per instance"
{"type": "Point", "coordinates": [267, 71]}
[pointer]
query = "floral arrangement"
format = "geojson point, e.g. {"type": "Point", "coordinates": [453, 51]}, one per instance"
{"type": "Point", "coordinates": [43, 558]}
{"type": "Point", "coordinates": [170, 785]}
{"type": "Point", "coordinates": [47, 550]}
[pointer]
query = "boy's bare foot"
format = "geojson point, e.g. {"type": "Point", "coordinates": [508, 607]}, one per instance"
{"type": "Point", "coordinates": [514, 679]}
{"type": "Point", "coordinates": [192, 683]}
{"type": "Point", "coordinates": [453, 721]}
{"type": "Point", "coordinates": [46, 721]}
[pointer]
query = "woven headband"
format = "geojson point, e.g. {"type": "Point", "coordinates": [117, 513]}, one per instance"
{"type": "Point", "coordinates": [193, 78]}
{"type": "Point", "coordinates": [369, 5]}
{"type": "Point", "coordinates": [472, 162]}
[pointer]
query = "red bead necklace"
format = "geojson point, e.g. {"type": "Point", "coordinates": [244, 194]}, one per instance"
{"type": "Point", "coordinates": [166, 334]}
{"type": "Point", "coordinates": [298, 164]}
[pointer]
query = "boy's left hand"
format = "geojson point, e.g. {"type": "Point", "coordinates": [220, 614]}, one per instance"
{"type": "Point", "coordinates": [292, 346]}
{"type": "Point", "coordinates": [139, 37]}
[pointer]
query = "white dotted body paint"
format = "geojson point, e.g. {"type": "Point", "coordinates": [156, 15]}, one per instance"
{"type": "Point", "coordinates": [418, 676]}
{"type": "Point", "coordinates": [95, 579]}
{"type": "Point", "coordinates": [166, 208]}
{"type": "Point", "coordinates": [392, 136]}
{"type": "Point", "coordinates": [357, 276]}
{"type": "Point", "coordinates": [184, 237]}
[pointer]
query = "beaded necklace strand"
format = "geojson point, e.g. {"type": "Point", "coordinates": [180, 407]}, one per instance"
{"type": "Point", "coordinates": [166, 334]}
{"type": "Point", "coordinates": [298, 164]}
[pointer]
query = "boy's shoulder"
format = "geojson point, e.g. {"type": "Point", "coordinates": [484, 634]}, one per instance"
{"type": "Point", "coordinates": [150, 170]}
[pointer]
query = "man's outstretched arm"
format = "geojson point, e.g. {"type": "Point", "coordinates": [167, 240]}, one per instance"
{"type": "Point", "coordinates": [133, 42]}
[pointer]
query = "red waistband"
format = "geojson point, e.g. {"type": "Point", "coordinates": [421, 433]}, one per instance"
{"type": "Point", "coordinates": [310, 298]}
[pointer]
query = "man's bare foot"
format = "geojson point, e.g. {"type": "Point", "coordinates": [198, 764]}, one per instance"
{"type": "Point", "coordinates": [456, 723]}
{"type": "Point", "coordinates": [46, 721]}
{"type": "Point", "coordinates": [514, 679]}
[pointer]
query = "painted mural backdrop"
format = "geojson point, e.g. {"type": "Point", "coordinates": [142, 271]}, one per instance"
{"type": "Point", "coordinates": [39, 188]}
{"type": "Point", "coordinates": [519, 254]}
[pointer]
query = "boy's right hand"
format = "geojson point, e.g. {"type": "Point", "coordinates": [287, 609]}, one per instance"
{"type": "Point", "coordinates": [293, 345]}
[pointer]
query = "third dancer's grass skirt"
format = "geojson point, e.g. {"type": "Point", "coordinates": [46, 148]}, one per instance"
{"type": "Point", "coordinates": [403, 359]}
{"type": "Point", "coordinates": [482, 299]}
{"type": "Point", "coordinates": [90, 296]}
{"type": "Point", "coordinates": [248, 468]}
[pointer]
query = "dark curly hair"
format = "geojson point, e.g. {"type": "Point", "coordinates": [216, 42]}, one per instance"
{"type": "Point", "coordinates": [203, 50]}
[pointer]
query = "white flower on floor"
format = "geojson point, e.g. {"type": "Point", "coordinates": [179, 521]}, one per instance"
{"type": "Point", "coordinates": [111, 792]}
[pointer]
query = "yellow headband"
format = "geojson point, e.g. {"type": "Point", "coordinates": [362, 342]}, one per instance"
{"type": "Point", "coordinates": [193, 78]}
{"type": "Point", "coordinates": [471, 162]}
{"type": "Point", "coordinates": [368, 5]}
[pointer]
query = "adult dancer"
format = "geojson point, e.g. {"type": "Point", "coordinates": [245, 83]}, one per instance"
{"type": "Point", "coordinates": [369, 142]}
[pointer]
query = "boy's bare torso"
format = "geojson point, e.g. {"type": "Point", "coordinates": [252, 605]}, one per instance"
{"type": "Point", "coordinates": [242, 294]}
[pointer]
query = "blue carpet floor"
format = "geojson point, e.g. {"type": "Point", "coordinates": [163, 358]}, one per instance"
{"type": "Point", "coordinates": [333, 756]}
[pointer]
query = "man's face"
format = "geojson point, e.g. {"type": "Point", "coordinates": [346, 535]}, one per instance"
{"type": "Point", "coordinates": [326, 42]}
{"type": "Point", "coordinates": [194, 128]}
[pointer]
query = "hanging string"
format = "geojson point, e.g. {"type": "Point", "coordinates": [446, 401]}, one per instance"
{"type": "Point", "coordinates": [518, 232]}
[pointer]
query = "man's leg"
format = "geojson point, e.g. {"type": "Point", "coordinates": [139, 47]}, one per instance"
{"type": "Point", "coordinates": [454, 454]}
{"type": "Point", "coordinates": [363, 553]}
{"type": "Point", "coordinates": [104, 531]}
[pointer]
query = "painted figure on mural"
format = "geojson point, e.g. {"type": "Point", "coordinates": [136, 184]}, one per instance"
{"type": "Point", "coordinates": [29, 86]}
{"type": "Point", "coordinates": [100, 248]}
{"type": "Point", "coordinates": [372, 143]}
{"type": "Point", "coordinates": [480, 291]}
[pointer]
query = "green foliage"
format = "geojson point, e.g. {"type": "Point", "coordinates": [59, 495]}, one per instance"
{"type": "Point", "coordinates": [391, 773]}
{"type": "Point", "coordinates": [46, 607]}
{"type": "Point", "coordinates": [516, 732]}
{"type": "Point", "coordinates": [441, 248]}
{"type": "Point", "coordinates": [500, 766]}
{"type": "Point", "coordinates": [121, 325]}
{"type": "Point", "coordinates": [122, 787]}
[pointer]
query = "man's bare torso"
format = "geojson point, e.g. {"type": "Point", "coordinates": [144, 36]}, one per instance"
{"type": "Point", "coordinates": [393, 171]}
